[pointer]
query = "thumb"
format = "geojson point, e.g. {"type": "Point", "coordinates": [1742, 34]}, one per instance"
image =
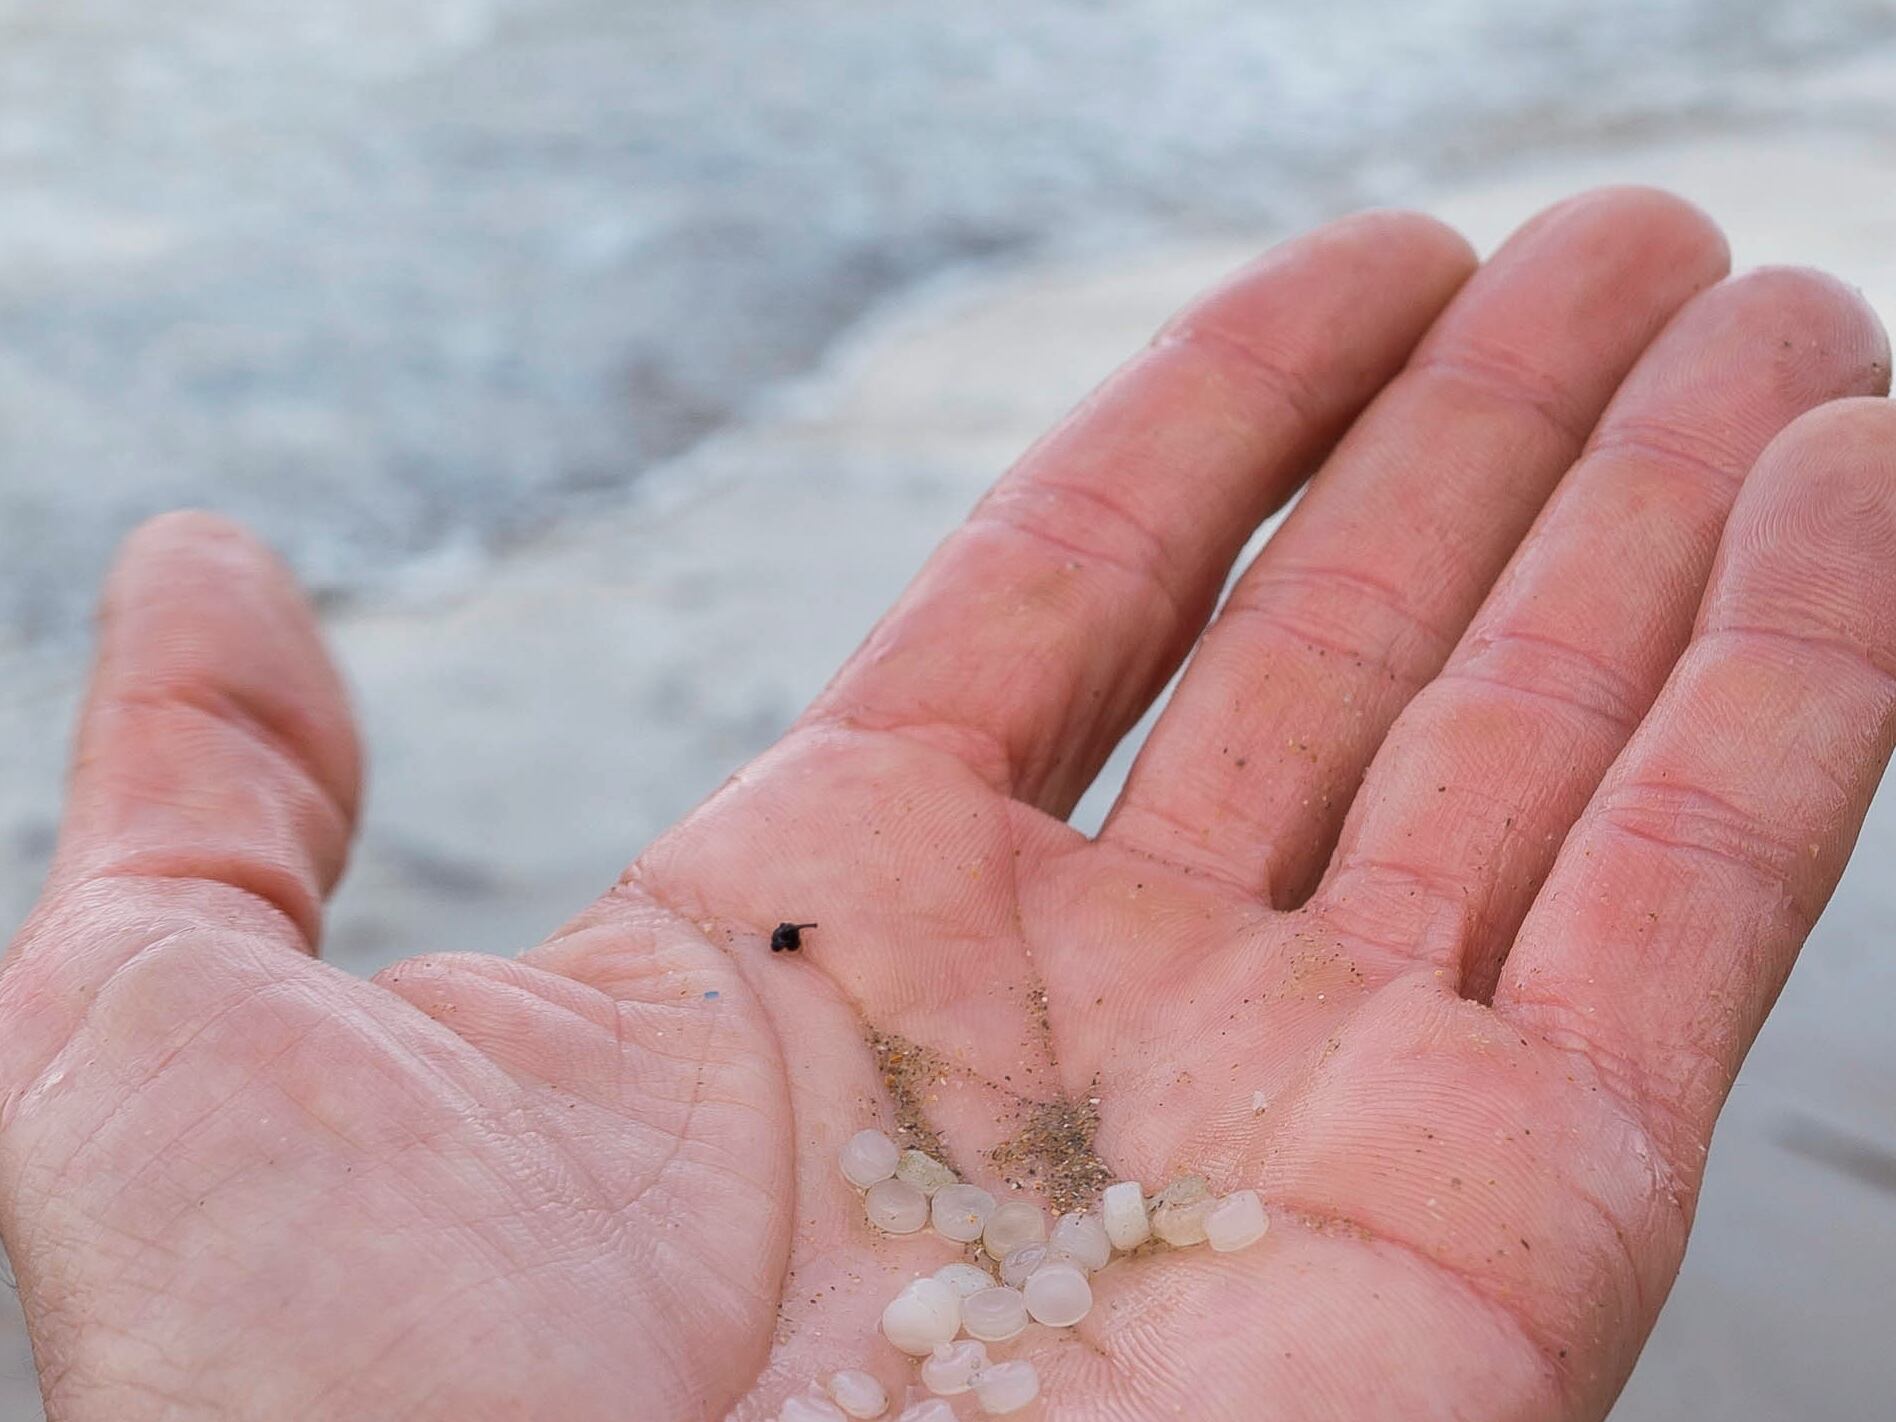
{"type": "Point", "coordinates": [214, 781]}
{"type": "Point", "coordinates": [216, 744]}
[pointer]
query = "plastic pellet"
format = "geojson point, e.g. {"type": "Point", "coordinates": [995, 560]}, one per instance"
{"type": "Point", "coordinates": [924, 1172]}
{"type": "Point", "coordinates": [1236, 1222]}
{"type": "Point", "coordinates": [1178, 1213]}
{"type": "Point", "coordinates": [965, 1279]}
{"type": "Point", "coordinates": [1006, 1387]}
{"type": "Point", "coordinates": [961, 1212]}
{"type": "Point", "coordinates": [1081, 1236]}
{"type": "Point", "coordinates": [1058, 1295]}
{"type": "Point", "coordinates": [811, 1409]}
{"type": "Point", "coordinates": [994, 1315]}
{"type": "Point", "coordinates": [1123, 1211]}
{"type": "Point", "coordinates": [948, 1368]}
{"type": "Point", "coordinates": [858, 1393]}
{"type": "Point", "coordinates": [896, 1207]}
{"type": "Point", "coordinates": [866, 1157]}
{"type": "Point", "coordinates": [925, 1313]}
{"type": "Point", "coordinates": [1020, 1264]}
{"type": "Point", "coordinates": [1012, 1225]}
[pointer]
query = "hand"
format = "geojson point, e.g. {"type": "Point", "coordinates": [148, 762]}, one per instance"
{"type": "Point", "coordinates": [1440, 907]}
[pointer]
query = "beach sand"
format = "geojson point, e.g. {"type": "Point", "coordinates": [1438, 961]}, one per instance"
{"type": "Point", "coordinates": [527, 735]}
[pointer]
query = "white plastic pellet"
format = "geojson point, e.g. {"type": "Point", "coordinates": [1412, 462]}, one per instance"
{"type": "Point", "coordinates": [811, 1409]}
{"type": "Point", "coordinates": [965, 1279]}
{"type": "Point", "coordinates": [924, 1172]}
{"type": "Point", "coordinates": [858, 1393]}
{"type": "Point", "coordinates": [1236, 1222]}
{"type": "Point", "coordinates": [1020, 1264]}
{"type": "Point", "coordinates": [1178, 1213]}
{"type": "Point", "coordinates": [1081, 1236]}
{"type": "Point", "coordinates": [1012, 1225]}
{"type": "Point", "coordinates": [961, 1212]}
{"type": "Point", "coordinates": [868, 1156]}
{"type": "Point", "coordinates": [994, 1315]}
{"type": "Point", "coordinates": [929, 1409]}
{"type": "Point", "coordinates": [1058, 1295]}
{"type": "Point", "coordinates": [1006, 1387]}
{"type": "Point", "coordinates": [925, 1313]}
{"type": "Point", "coordinates": [1183, 1191]}
{"type": "Point", "coordinates": [1181, 1226]}
{"type": "Point", "coordinates": [896, 1207]}
{"type": "Point", "coordinates": [1123, 1212]}
{"type": "Point", "coordinates": [948, 1368]}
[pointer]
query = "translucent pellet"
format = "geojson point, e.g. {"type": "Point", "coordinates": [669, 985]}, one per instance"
{"type": "Point", "coordinates": [1006, 1387]}
{"type": "Point", "coordinates": [1081, 1236]}
{"type": "Point", "coordinates": [924, 1172]}
{"type": "Point", "coordinates": [1021, 1263]}
{"type": "Point", "coordinates": [896, 1207]}
{"type": "Point", "coordinates": [868, 1156]}
{"type": "Point", "coordinates": [1058, 1295]}
{"type": "Point", "coordinates": [1012, 1225]}
{"type": "Point", "coordinates": [1181, 1226]}
{"type": "Point", "coordinates": [858, 1393]}
{"type": "Point", "coordinates": [961, 1212]}
{"type": "Point", "coordinates": [1183, 1191]}
{"type": "Point", "coordinates": [1179, 1210]}
{"type": "Point", "coordinates": [929, 1409]}
{"type": "Point", "coordinates": [811, 1409]}
{"type": "Point", "coordinates": [1123, 1212]}
{"type": "Point", "coordinates": [925, 1313]}
{"type": "Point", "coordinates": [948, 1368]}
{"type": "Point", "coordinates": [1236, 1222]}
{"type": "Point", "coordinates": [994, 1315]}
{"type": "Point", "coordinates": [965, 1279]}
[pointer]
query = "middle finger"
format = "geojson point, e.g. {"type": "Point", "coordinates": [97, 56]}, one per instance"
{"type": "Point", "coordinates": [1356, 602]}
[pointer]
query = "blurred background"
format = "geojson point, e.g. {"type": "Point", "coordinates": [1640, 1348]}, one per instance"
{"type": "Point", "coordinates": [606, 365]}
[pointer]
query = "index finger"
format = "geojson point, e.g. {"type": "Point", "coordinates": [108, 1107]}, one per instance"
{"type": "Point", "coordinates": [1038, 633]}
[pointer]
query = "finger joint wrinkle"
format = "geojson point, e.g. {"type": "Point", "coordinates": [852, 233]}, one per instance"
{"type": "Point", "coordinates": [1281, 379]}
{"type": "Point", "coordinates": [1657, 442]}
{"type": "Point", "coordinates": [1546, 668]}
{"type": "Point", "coordinates": [1079, 522]}
{"type": "Point", "coordinates": [247, 717]}
{"type": "Point", "coordinates": [1323, 606]}
{"type": "Point", "coordinates": [1700, 824]}
{"type": "Point", "coordinates": [1493, 372]}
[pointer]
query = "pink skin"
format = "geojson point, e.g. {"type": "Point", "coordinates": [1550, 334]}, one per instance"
{"type": "Point", "coordinates": [1617, 738]}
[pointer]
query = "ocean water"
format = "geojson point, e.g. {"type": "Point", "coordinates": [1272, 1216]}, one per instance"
{"type": "Point", "coordinates": [402, 284]}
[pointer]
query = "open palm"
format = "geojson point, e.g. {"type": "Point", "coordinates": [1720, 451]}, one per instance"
{"type": "Point", "coordinates": [1440, 907]}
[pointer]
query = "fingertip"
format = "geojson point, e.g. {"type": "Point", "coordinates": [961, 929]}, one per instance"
{"type": "Point", "coordinates": [1831, 472]}
{"type": "Point", "coordinates": [1407, 258]}
{"type": "Point", "coordinates": [1441, 244]}
{"type": "Point", "coordinates": [1825, 323]}
{"type": "Point", "coordinates": [1811, 547]}
{"type": "Point", "coordinates": [197, 536]}
{"type": "Point", "coordinates": [1420, 259]}
{"type": "Point", "coordinates": [1744, 358]}
{"type": "Point", "coordinates": [198, 605]}
{"type": "Point", "coordinates": [1858, 432]}
{"type": "Point", "coordinates": [195, 556]}
{"type": "Point", "coordinates": [1650, 220]}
